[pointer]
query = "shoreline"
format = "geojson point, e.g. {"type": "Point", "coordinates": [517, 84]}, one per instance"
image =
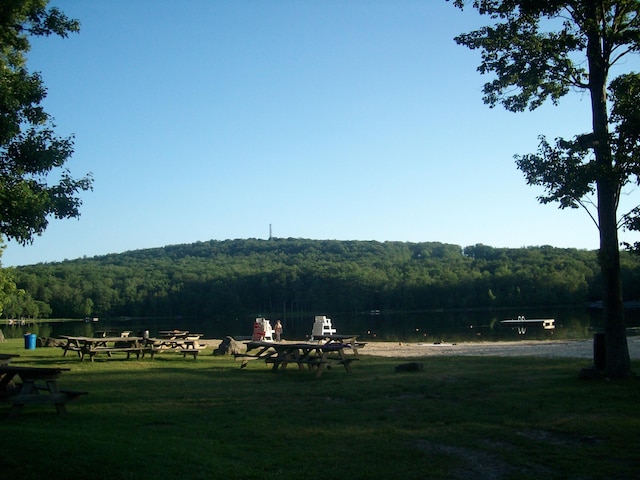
{"type": "Point", "coordinates": [523, 348]}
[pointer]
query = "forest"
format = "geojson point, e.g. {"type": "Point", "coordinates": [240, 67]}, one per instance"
{"type": "Point", "coordinates": [229, 277]}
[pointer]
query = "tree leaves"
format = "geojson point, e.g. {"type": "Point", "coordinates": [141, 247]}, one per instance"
{"type": "Point", "coordinates": [243, 277]}
{"type": "Point", "coordinates": [531, 63]}
{"type": "Point", "coordinates": [29, 149]}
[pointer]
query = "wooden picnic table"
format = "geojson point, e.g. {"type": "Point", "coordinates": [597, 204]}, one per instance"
{"type": "Point", "coordinates": [34, 380]}
{"type": "Point", "coordinates": [178, 335]}
{"type": "Point", "coordinates": [185, 346]}
{"type": "Point", "coordinates": [5, 358]}
{"type": "Point", "coordinates": [172, 333]}
{"type": "Point", "coordinates": [111, 333]}
{"type": "Point", "coordinates": [93, 346]}
{"type": "Point", "coordinates": [312, 355]}
{"type": "Point", "coordinates": [350, 341]}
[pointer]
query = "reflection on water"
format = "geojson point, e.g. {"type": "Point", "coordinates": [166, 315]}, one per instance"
{"type": "Point", "coordinates": [47, 329]}
{"type": "Point", "coordinates": [457, 326]}
{"type": "Point", "coordinates": [445, 326]}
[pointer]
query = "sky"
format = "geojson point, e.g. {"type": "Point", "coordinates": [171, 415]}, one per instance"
{"type": "Point", "coordinates": [348, 120]}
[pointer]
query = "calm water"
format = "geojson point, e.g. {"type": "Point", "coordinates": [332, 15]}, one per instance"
{"type": "Point", "coordinates": [408, 326]}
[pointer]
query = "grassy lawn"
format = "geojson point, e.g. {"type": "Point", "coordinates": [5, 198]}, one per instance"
{"type": "Point", "coordinates": [459, 418]}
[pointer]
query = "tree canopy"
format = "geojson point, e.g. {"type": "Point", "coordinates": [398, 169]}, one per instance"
{"type": "Point", "coordinates": [542, 50]}
{"type": "Point", "coordinates": [34, 184]}
{"type": "Point", "coordinates": [235, 277]}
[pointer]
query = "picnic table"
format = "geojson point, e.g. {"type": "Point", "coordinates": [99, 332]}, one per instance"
{"type": "Point", "coordinates": [93, 346]}
{"type": "Point", "coordinates": [178, 335]}
{"type": "Point", "coordinates": [34, 380]}
{"type": "Point", "coordinates": [350, 341]}
{"type": "Point", "coordinates": [5, 358]}
{"type": "Point", "coordinates": [111, 333]}
{"type": "Point", "coordinates": [186, 345]}
{"type": "Point", "coordinates": [313, 355]}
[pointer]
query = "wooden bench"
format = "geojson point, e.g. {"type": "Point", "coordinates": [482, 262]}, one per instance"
{"type": "Point", "coordinates": [151, 351]}
{"type": "Point", "coordinates": [72, 348]}
{"type": "Point", "coordinates": [317, 363]}
{"type": "Point", "coordinates": [93, 351]}
{"type": "Point", "coordinates": [312, 354]}
{"type": "Point", "coordinates": [58, 399]}
{"type": "Point", "coordinates": [299, 361]}
{"type": "Point", "coordinates": [184, 351]}
{"type": "Point", "coordinates": [5, 358]}
{"type": "Point", "coordinates": [248, 356]}
{"type": "Point", "coordinates": [191, 351]}
{"type": "Point", "coordinates": [34, 380]}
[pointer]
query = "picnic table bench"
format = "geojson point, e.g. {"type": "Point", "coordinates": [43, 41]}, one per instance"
{"type": "Point", "coordinates": [93, 351]}
{"type": "Point", "coordinates": [313, 355]}
{"type": "Point", "coordinates": [5, 358]}
{"type": "Point", "coordinates": [185, 346]}
{"type": "Point", "coordinates": [178, 335]}
{"type": "Point", "coordinates": [34, 380]}
{"type": "Point", "coordinates": [93, 346]}
{"type": "Point", "coordinates": [71, 344]}
{"type": "Point", "coordinates": [350, 341]}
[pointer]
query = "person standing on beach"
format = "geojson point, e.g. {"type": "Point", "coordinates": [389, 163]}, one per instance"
{"type": "Point", "coordinates": [278, 330]}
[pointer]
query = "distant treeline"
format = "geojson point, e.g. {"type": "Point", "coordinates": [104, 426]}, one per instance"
{"type": "Point", "coordinates": [212, 278]}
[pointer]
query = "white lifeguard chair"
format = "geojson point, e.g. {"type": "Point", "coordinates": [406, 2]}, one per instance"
{"type": "Point", "coordinates": [262, 331]}
{"type": "Point", "coordinates": [322, 327]}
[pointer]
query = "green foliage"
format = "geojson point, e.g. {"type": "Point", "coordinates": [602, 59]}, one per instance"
{"type": "Point", "coordinates": [541, 50]}
{"type": "Point", "coordinates": [625, 96]}
{"type": "Point", "coordinates": [247, 276]}
{"type": "Point", "coordinates": [8, 290]}
{"type": "Point", "coordinates": [569, 173]}
{"type": "Point", "coordinates": [30, 152]}
{"type": "Point", "coordinates": [531, 63]}
{"type": "Point", "coordinates": [625, 93]}
{"type": "Point", "coordinates": [563, 172]}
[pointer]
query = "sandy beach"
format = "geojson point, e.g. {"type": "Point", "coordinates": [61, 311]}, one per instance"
{"type": "Point", "coordinates": [524, 348]}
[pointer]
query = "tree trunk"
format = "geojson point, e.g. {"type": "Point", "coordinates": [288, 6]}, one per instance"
{"type": "Point", "coordinates": [618, 364]}
{"type": "Point", "coordinates": [617, 352]}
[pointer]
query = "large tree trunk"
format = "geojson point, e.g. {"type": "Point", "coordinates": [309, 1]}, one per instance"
{"type": "Point", "coordinates": [617, 352]}
{"type": "Point", "coordinates": [618, 364]}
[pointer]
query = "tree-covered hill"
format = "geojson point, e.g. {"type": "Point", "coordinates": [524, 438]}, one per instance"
{"type": "Point", "coordinates": [298, 275]}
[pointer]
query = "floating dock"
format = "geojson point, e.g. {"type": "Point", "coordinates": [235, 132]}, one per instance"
{"type": "Point", "coordinates": [521, 323]}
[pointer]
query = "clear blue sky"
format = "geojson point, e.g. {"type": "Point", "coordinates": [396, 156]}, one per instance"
{"type": "Point", "coordinates": [348, 120]}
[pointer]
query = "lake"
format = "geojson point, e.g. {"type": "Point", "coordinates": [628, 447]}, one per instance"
{"type": "Point", "coordinates": [432, 326]}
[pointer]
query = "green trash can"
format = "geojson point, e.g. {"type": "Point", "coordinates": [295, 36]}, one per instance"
{"type": "Point", "coordinates": [30, 341]}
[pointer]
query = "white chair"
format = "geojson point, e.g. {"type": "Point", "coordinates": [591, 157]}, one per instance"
{"type": "Point", "coordinates": [322, 327]}
{"type": "Point", "coordinates": [262, 330]}
{"type": "Point", "coordinates": [268, 331]}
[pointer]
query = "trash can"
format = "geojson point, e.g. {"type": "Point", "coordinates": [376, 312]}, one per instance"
{"type": "Point", "coordinates": [30, 341]}
{"type": "Point", "coordinates": [599, 351]}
